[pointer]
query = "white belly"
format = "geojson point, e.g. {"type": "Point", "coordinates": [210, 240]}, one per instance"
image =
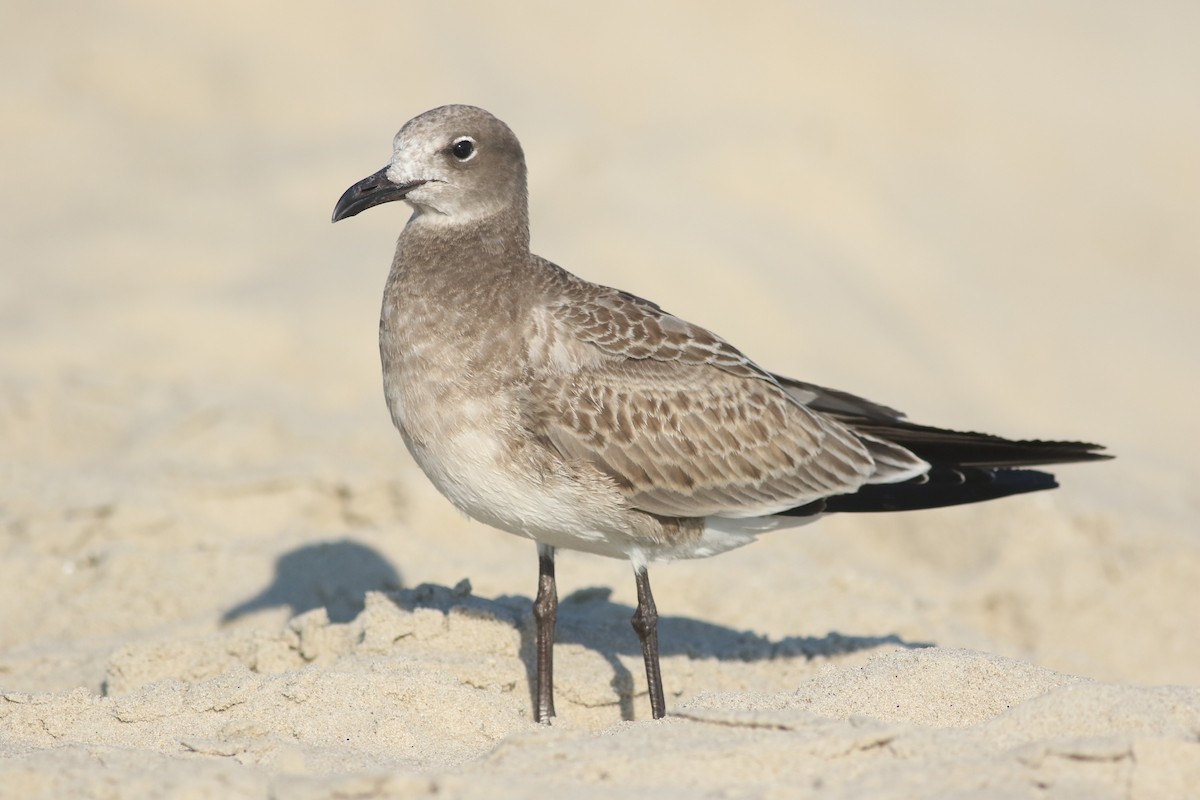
{"type": "Point", "coordinates": [475, 455]}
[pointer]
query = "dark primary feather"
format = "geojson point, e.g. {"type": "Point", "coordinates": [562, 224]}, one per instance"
{"type": "Point", "coordinates": [964, 449]}
{"type": "Point", "coordinates": [966, 467]}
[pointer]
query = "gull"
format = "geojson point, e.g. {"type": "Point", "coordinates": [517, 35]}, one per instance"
{"type": "Point", "coordinates": [587, 418]}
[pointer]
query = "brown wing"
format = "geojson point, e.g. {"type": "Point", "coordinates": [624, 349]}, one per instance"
{"type": "Point", "coordinates": [681, 420]}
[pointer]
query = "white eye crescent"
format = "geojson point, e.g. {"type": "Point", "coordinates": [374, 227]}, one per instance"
{"type": "Point", "coordinates": [463, 148]}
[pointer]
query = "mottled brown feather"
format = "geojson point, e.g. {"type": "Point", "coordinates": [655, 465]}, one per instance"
{"type": "Point", "coordinates": [682, 421]}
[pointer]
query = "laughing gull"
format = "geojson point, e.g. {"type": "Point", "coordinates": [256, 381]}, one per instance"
{"type": "Point", "coordinates": [587, 418]}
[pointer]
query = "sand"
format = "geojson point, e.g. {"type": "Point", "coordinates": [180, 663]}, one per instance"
{"type": "Point", "coordinates": [222, 576]}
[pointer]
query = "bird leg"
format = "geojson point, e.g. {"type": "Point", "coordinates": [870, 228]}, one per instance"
{"type": "Point", "coordinates": [545, 613]}
{"type": "Point", "coordinates": [645, 622]}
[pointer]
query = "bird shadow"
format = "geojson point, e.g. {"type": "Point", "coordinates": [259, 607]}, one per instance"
{"type": "Point", "coordinates": [337, 575]}
{"type": "Point", "coordinates": [332, 575]}
{"type": "Point", "coordinates": [589, 617]}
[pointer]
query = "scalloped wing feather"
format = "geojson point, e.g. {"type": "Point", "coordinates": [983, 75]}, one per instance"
{"type": "Point", "coordinates": [684, 423]}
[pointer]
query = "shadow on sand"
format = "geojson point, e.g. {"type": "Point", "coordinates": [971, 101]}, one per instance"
{"type": "Point", "coordinates": [591, 619]}
{"type": "Point", "coordinates": [333, 575]}
{"type": "Point", "coordinates": [337, 575]}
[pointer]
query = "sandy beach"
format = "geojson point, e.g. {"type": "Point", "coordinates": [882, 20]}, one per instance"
{"type": "Point", "coordinates": [224, 577]}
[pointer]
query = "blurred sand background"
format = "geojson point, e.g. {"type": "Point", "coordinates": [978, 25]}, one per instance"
{"type": "Point", "coordinates": [223, 577]}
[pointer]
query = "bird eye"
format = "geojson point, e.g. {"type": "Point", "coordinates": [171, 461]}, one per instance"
{"type": "Point", "coordinates": [463, 148]}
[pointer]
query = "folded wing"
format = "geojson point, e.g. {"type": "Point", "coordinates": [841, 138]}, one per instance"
{"type": "Point", "coordinates": [683, 422]}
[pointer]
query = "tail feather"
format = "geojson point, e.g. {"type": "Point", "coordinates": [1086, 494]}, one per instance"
{"type": "Point", "coordinates": [944, 487]}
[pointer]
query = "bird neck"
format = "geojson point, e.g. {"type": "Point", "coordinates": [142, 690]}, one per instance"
{"type": "Point", "coordinates": [499, 237]}
{"type": "Point", "coordinates": [440, 258]}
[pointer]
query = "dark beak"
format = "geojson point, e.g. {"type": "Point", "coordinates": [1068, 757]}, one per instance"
{"type": "Point", "coordinates": [371, 191]}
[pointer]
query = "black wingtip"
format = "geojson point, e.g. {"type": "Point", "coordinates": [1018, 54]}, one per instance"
{"type": "Point", "coordinates": [983, 450]}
